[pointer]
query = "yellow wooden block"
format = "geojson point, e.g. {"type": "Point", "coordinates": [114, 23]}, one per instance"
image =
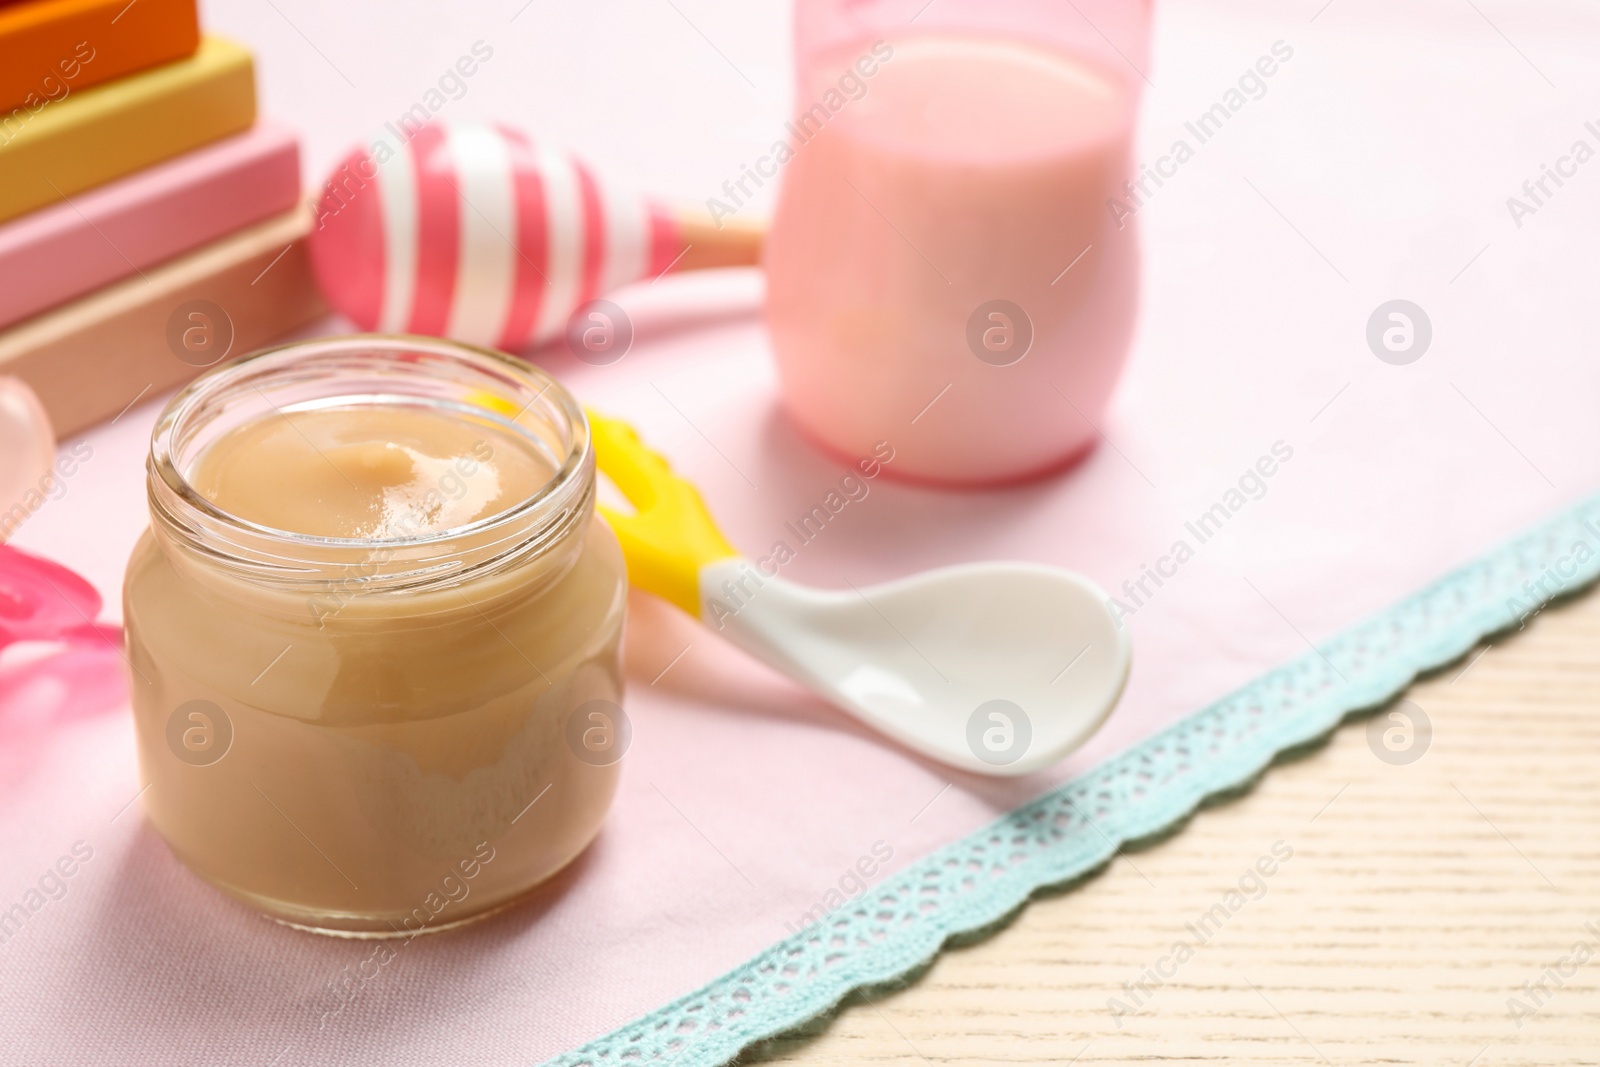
{"type": "Point", "coordinates": [114, 129]}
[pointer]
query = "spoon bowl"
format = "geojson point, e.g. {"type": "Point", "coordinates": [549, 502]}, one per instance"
{"type": "Point", "coordinates": [1000, 668]}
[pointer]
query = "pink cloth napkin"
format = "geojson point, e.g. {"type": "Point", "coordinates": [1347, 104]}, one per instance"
{"type": "Point", "coordinates": [1375, 165]}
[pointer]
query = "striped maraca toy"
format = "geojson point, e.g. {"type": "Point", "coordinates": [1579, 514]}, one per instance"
{"type": "Point", "coordinates": [476, 233]}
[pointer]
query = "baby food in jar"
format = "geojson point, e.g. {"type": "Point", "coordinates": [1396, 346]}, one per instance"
{"type": "Point", "coordinates": [374, 633]}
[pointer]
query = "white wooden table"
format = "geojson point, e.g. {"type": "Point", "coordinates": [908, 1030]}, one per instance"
{"type": "Point", "coordinates": [1418, 901]}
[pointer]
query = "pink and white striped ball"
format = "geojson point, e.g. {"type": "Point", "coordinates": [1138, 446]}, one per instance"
{"type": "Point", "coordinates": [475, 233]}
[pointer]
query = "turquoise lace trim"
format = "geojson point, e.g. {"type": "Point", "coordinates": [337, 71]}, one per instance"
{"type": "Point", "coordinates": [972, 883]}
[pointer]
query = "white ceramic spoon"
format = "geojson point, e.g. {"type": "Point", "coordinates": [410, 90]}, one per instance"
{"type": "Point", "coordinates": [998, 668]}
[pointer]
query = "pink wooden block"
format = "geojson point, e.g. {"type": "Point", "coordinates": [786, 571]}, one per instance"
{"type": "Point", "coordinates": [75, 247]}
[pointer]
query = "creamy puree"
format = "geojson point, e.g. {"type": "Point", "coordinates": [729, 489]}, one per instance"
{"type": "Point", "coordinates": [386, 744]}
{"type": "Point", "coordinates": [372, 473]}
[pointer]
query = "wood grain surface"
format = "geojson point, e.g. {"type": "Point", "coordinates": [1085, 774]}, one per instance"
{"type": "Point", "coordinates": [1441, 911]}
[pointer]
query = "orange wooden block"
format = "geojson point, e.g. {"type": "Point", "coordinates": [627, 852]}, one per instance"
{"type": "Point", "coordinates": [52, 48]}
{"type": "Point", "coordinates": [91, 359]}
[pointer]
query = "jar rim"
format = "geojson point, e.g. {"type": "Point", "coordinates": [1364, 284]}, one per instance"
{"type": "Point", "coordinates": [285, 554]}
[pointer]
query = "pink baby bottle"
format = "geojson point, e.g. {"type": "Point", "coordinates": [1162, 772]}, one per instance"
{"type": "Point", "coordinates": [952, 266]}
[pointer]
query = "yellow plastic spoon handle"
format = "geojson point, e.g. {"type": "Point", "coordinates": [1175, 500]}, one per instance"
{"type": "Point", "coordinates": [670, 536]}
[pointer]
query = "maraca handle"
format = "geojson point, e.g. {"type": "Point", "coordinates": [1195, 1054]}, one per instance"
{"type": "Point", "coordinates": [706, 242]}
{"type": "Point", "coordinates": [670, 536]}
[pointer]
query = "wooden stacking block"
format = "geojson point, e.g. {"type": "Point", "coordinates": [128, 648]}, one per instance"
{"type": "Point", "coordinates": [50, 49]}
{"type": "Point", "coordinates": [58, 253]}
{"type": "Point", "coordinates": [117, 128]}
{"type": "Point", "coordinates": [91, 359]}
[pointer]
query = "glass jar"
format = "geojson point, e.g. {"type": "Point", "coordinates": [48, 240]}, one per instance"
{"type": "Point", "coordinates": [377, 737]}
{"type": "Point", "coordinates": [952, 264]}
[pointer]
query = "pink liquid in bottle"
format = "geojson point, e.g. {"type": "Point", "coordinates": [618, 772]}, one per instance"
{"type": "Point", "coordinates": [943, 269]}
